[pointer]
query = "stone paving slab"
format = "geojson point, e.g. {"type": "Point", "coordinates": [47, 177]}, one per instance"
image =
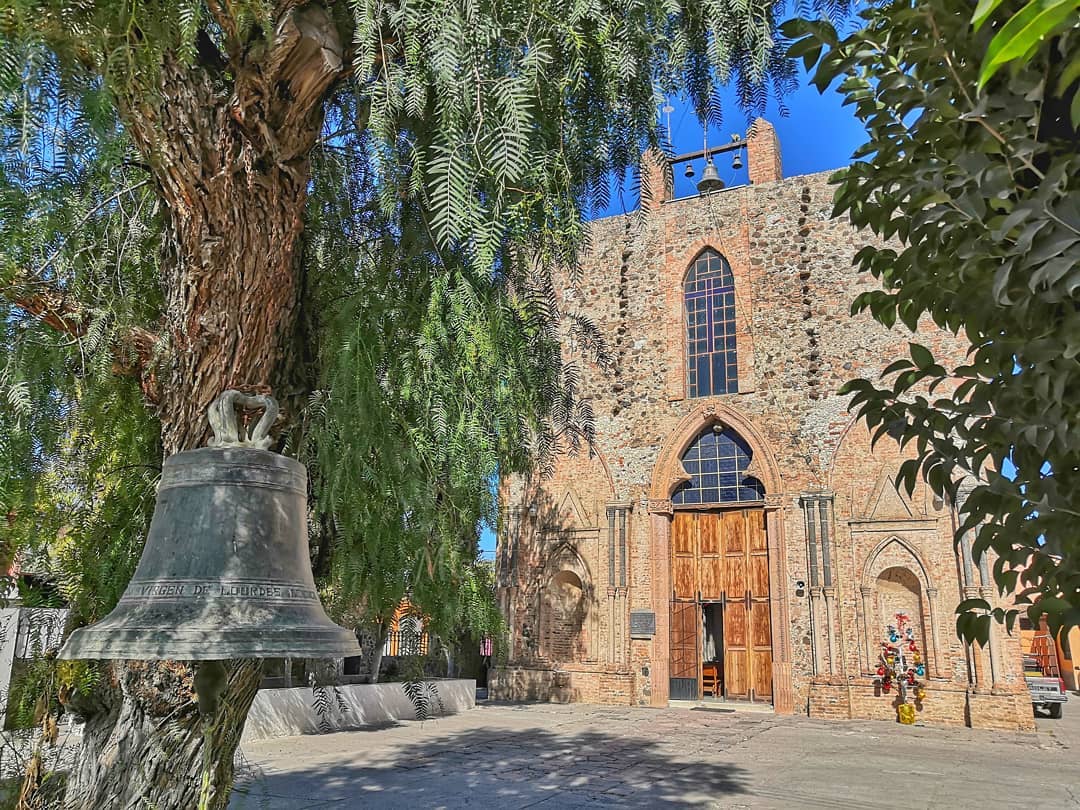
{"type": "Point", "coordinates": [579, 756]}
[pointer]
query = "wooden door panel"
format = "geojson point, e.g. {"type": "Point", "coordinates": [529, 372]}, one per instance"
{"type": "Point", "coordinates": [755, 519]}
{"type": "Point", "coordinates": [757, 580]}
{"type": "Point", "coordinates": [682, 578]}
{"type": "Point", "coordinates": [682, 533]}
{"type": "Point", "coordinates": [760, 635]}
{"type": "Point", "coordinates": [683, 567]}
{"type": "Point", "coordinates": [757, 560]}
{"type": "Point", "coordinates": [711, 576]}
{"type": "Point", "coordinates": [708, 533]}
{"type": "Point", "coordinates": [684, 639]}
{"type": "Point", "coordinates": [733, 539]}
{"type": "Point", "coordinates": [735, 577]}
{"type": "Point", "coordinates": [735, 626]}
{"type": "Point", "coordinates": [761, 679]}
{"type": "Point", "coordinates": [710, 560]}
{"type": "Point", "coordinates": [733, 529]}
{"type": "Point", "coordinates": [736, 675]}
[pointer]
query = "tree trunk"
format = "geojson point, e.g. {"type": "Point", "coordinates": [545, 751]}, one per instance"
{"type": "Point", "coordinates": [377, 653]}
{"type": "Point", "coordinates": [145, 748]}
{"type": "Point", "coordinates": [229, 152]}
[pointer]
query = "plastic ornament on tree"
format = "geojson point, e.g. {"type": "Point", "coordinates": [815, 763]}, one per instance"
{"type": "Point", "coordinates": [901, 664]}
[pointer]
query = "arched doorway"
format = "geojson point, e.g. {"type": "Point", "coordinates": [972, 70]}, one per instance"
{"type": "Point", "coordinates": [721, 638]}
{"type": "Point", "coordinates": [720, 546]}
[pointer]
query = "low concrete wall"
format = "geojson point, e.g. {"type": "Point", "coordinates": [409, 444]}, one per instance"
{"type": "Point", "coordinates": [16, 747]}
{"type": "Point", "coordinates": [291, 712]}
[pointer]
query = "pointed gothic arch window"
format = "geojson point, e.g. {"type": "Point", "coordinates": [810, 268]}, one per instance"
{"type": "Point", "coordinates": [709, 303]}
{"type": "Point", "coordinates": [717, 462]}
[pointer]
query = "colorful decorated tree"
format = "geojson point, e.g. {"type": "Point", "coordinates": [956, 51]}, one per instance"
{"type": "Point", "coordinates": [901, 667]}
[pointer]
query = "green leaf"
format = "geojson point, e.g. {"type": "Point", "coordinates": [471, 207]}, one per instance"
{"type": "Point", "coordinates": [968, 605]}
{"type": "Point", "coordinates": [921, 355]}
{"type": "Point", "coordinates": [983, 11]}
{"type": "Point", "coordinates": [1036, 20]}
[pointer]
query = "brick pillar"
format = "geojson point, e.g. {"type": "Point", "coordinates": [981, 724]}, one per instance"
{"type": "Point", "coordinates": [763, 153]}
{"type": "Point", "coordinates": [815, 627]}
{"type": "Point", "coordinates": [657, 181]}
{"type": "Point", "coordinates": [869, 647]}
{"type": "Point", "coordinates": [934, 646]}
{"type": "Point", "coordinates": [660, 513]}
{"type": "Point", "coordinates": [830, 628]}
{"type": "Point", "coordinates": [783, 694]}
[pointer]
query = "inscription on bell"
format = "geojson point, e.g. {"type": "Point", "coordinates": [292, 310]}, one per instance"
{"type": "Point", "coordinates": [217, 589]}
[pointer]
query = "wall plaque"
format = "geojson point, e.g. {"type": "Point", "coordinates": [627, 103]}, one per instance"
{"type": "Point", "coordinates": [642, 624]}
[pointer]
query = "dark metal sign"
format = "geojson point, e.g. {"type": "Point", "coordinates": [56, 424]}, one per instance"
{"type": "Point", "coordinates": [642, 623]}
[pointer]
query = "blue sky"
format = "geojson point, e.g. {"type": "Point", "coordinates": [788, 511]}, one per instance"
{"type": "Point", "coordinates": [817, 134]}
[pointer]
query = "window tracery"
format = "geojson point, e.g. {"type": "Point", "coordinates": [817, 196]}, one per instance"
{"type": "Point", "coordinates": [717, 463]}
{"type": "Point", "coordinates": [709, 306]}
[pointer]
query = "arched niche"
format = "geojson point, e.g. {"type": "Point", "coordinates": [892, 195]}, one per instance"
{"type": "Point", "coordinates": [899, 591]}
{"type": "Point", "coordinates": [567, 618]}
{"type": "Point", "coordinates": [895, 580]}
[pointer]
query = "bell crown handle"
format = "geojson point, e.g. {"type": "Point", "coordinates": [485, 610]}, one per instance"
{"type": "Point", "coordinates": [228, 432]}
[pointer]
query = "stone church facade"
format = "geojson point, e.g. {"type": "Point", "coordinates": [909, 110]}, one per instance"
{"type": "Point", "coordinates": [733, 535]}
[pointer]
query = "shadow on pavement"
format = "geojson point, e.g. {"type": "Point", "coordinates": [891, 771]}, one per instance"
{"type": "Point", "coordinates": [495, 768]}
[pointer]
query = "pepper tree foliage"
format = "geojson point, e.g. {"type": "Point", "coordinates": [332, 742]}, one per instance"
{"type": "Point", "coordinates": [976, 189]}
{"type": "Point", "coordinates": [462, 142]}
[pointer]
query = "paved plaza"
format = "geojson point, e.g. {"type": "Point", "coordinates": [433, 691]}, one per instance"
{"type": "Point", "coordinates": [578, 756]}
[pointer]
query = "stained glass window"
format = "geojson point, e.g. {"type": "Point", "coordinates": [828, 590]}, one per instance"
{"type": "Point", "coordinates": [717, 465]}
{"type": "Point", "coordinates": [709, 295]}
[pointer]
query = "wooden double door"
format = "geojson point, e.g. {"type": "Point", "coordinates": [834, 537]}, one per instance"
{"type": "Point", "coordinates": [720, 569]}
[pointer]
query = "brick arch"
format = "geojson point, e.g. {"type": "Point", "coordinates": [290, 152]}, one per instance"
{"type": "Point", "coordinates": [585, 478]}
{"type": "Point", "coordinates": [854, 451]}
{"type": "Point", "coordinates": [841, 444]}
{"type": "Point", "coordinates": [668, 472]}
{"type": "Point", "coordinates": [695, 248]}
{"type": "Point", "coordinates": [868, 576]}
{"type": "Point", "coordinates": [598, 456]}
{"type": "Point", "coordinates": [706, 244]}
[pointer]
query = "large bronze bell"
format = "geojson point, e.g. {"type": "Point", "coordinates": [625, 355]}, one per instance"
{"type": "Point", "coordinates": [225, 572]}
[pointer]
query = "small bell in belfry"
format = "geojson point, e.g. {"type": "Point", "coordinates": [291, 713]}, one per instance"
{"type": "Point", "coordinates": [225, 572]}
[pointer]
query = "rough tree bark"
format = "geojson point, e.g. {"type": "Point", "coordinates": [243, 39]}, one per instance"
{"type": "Point", "coordinates": [375, 662]}
{"type": "Point", "coordinates": [228, 143]}
{"type": "Point", "coordinates": [143, 744]}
